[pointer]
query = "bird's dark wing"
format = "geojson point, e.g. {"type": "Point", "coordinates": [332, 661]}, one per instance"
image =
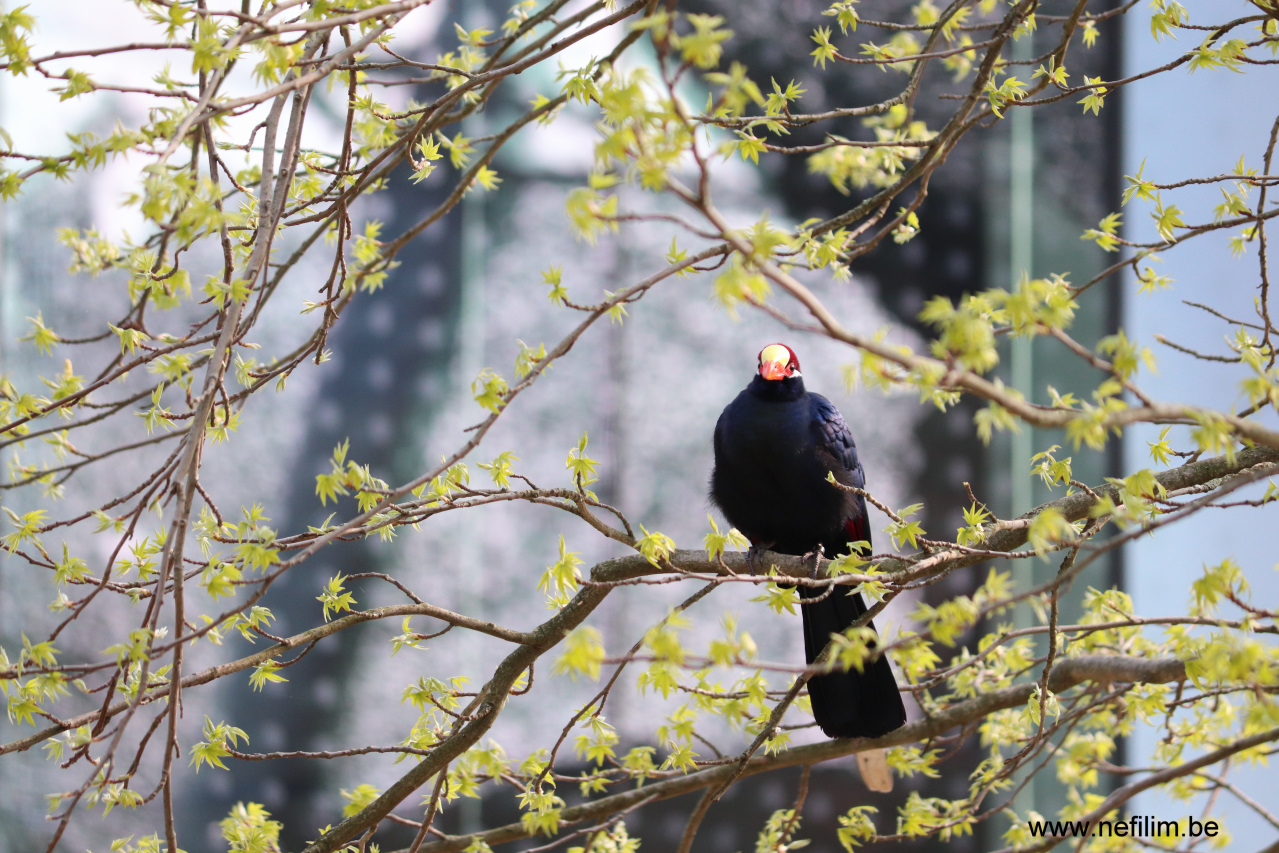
{"type": "Point", "coordinates": [852, 703]}
{"type": "Point", "coordinates": [834, 438]}
{"type": "Point", "coordinates": [835, 446]}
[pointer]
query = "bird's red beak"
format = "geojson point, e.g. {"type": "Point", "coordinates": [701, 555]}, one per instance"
{"type": "Point", "coordinates": [772, 370]}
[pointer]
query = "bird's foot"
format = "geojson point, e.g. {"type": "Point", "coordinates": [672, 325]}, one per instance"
{"type": "Point", "coordinates": [755, 556]}
{"type": "Point", "coordinates": [816, 556]}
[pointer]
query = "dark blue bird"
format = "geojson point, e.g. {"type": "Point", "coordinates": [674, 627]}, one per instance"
{"type": "Point", "coordinates": [775, 444]}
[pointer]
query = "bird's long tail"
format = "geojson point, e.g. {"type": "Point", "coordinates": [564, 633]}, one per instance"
{"type": "Point", "coordinates": [852, 703]}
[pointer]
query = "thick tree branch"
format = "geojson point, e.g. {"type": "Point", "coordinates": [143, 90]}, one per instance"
{"type": "Point", "coordinates": [1068, 673]}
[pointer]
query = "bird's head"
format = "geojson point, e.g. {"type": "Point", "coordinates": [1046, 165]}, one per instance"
{"type": "Point", "coordinates": [778, 362]}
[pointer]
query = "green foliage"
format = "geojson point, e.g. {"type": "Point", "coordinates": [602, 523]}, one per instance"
{"type": "Point", "coordinates": [1048, 530]}
{"type": "Point", "coordinates": [1106, 234]}
{"type": "Point", "coordinates": [825, 51]}
{"type": "Point", "coordinates": [1161, 450]}
{"type": "Point", "coordinates": [541, 812]}
{"type": "Point", "coordinates": [249, 829]}
{"type": "Point", "coordinates": [1213, 434]}
{"type": "Point", "coordinates": [590, 212]}
{"type": "Point", "coordinates": [739, 283]}
{"type": "Point", "coordinates": [1166, 219]}
{"type": "Point", "coordinates": [217, 738]}
{"type": "Point", "coordinates": [581, 466]}
{"type": "Point", "coordinates": [560, 580]}
{"type": "Point", "coordinates": [849, 166]}
{"type": "Point", "coordinates": [1009, 90]}
{"type": "Point", "coordinates": [951, 619]}
{"type": "Point", "coordinates": [334, 597]}
{"type": "Point", "coordinates": [778, 831]}
{"type": "Point", "coordinates": [702, 46]}
{"type": "Point", "coordinates": [1051, 470]}
{"type": "Point", "coordinates": [1096, 97]}
{"type": "Point", "coordinates": [615, 839]}
{"type": "Point", "coordinates": [1222, 581]}
{"type": "Point", "coordinates": [910, 761]}
{"type": "Point", "coordinates": [358, 798]}
{"type": "Point", "coordinates": [924, 816]}
{"type": "Point", "coordinates": [906, 531]}
{"type": "Point", "coordinates": [553, 277]}
{"type": "Point", "coordinates": [655, 546]}
{"type": "Point", "coordinates": [597, 744]}
{"type": "Point", "coordinates": [500, 468]}
{"type": "Point", "coordinates": [975, 518]}
{"type": "Point", "coordinates": [583, 654]}
{"type": "Point", "coordinates": [966, 332]}
{"type": "Point", "coordinates": [265, 673]}
{"type": "Point", "coordinates": [41, 335]}
{"type": "Point", "coordinates": [780, 599]}
{"type": "Point", "coordinates": [489, 389]}
{"type": "Point", "coordinates": [716, 542]}
{"type": "Point", "coordinates": [856, 827]}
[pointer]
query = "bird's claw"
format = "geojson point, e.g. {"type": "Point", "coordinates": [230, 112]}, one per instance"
{"type": "Point", "coordinates": [753, 557]}
{"type": "Point", "coordinates": [816, 555]}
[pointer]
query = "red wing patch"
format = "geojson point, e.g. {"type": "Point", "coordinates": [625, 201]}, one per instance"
{"type": "Point", "coordinates": [855, 528]}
